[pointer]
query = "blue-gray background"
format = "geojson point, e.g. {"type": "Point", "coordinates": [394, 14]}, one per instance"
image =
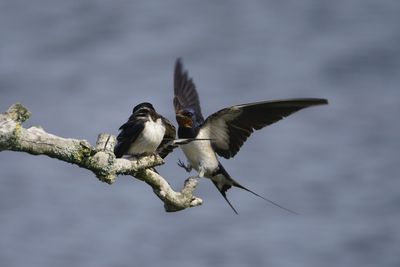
{"type": "Point", "coordinates": [80, 66]}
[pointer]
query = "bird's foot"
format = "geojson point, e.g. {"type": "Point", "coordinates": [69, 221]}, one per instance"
{"type": "Point", "coordinates": [201, 173]}
{"type": "Point", "coordinates": [154, 154]}
{"type": "Point", "coordinates": [138, 157]}
{"type": "Point", "coordinates": [187, 168]}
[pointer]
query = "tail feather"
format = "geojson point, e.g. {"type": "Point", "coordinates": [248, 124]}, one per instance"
{"type": "Point", "coordinates": [223, 188]}
{"type": "Point", "coordinates": [266, 199]}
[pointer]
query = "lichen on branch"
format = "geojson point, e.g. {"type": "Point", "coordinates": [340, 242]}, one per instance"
{"type": "Point", "coordinates": [99, 159]}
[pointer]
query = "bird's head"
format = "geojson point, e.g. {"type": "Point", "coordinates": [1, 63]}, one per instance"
{"type": "Point", "coordinates": [186, 118]}
{"type": "Point", "coordinates": [144, 108]}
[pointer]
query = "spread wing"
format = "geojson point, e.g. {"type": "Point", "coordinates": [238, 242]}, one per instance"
{"type": "Point", "coordinates": [230, 127]}
{"type": "Point", "coordinates": [185, 92]}
{"type": "Point", "coordinates": [129, 133]}
{"type": "Point", "coordinates": [169, 136]}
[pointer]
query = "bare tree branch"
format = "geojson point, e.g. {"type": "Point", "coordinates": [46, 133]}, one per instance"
{"type": "Point", "coordinates": [100, 159]}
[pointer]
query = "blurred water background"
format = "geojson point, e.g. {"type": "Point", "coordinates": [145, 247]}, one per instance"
{"type": "Point", "coordinates": [81, 65]}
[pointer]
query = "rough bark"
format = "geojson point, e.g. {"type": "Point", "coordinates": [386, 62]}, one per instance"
{"type": "Point", "coordinates": [99, 159]}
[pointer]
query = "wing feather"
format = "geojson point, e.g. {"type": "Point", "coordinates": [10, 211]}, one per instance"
{"type": "Point", "coordinates": [186, 96]}
{"type": "Point", "coordinates": [230, 127]}
{"type": "Point", "coordinates": [129, 133]}
{"type": "Point", "coordinates": [169, 136]}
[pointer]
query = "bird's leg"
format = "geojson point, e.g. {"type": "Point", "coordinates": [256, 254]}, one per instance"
{"type": "Point", "coordinates": [201, 173]}
{"type": "Point", "coordinates": [187, 167]}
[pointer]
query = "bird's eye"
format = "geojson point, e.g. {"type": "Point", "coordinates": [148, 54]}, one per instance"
{"type": "Point", "coordinates": [188, 114]}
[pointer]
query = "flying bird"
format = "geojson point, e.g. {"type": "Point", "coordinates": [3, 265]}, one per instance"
{"type": "Point", "coordinates": [145, 133]}
{"type": "Point", "coordinates": [225, 131]}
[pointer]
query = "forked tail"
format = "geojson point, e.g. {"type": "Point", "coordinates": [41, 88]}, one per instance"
{"type": "Point", "coordinates": [224, 186]}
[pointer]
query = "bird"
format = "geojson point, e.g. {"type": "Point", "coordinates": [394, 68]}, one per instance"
{"type": "Point", "coordinates": [225, 131]}
{"type": "Point", "coordinates": [145, 133]}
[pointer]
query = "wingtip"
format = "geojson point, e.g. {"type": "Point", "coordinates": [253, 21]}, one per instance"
{"type": "Point", "coordinates": [179, 71]}
{"type": "Point", "coordinates": [178, 62]}
{"type": "Point", "coordinates": [315, 101]}
{"type": "Point", "coordinates": [324, 101]}
{"type": "Point", "coordinates": [118, 154]}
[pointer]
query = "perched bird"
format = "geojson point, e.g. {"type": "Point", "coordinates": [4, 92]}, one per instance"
{"type": "Point", "coordinates": [226, 129]}
{"type": "Point", "coordinates": [145, 133]}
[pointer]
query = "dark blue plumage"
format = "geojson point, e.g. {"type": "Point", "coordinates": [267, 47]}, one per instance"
{"type": "Point", "coordinates": [225, 130]}
{"type": "Point", "coordinates": [146, 132]}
